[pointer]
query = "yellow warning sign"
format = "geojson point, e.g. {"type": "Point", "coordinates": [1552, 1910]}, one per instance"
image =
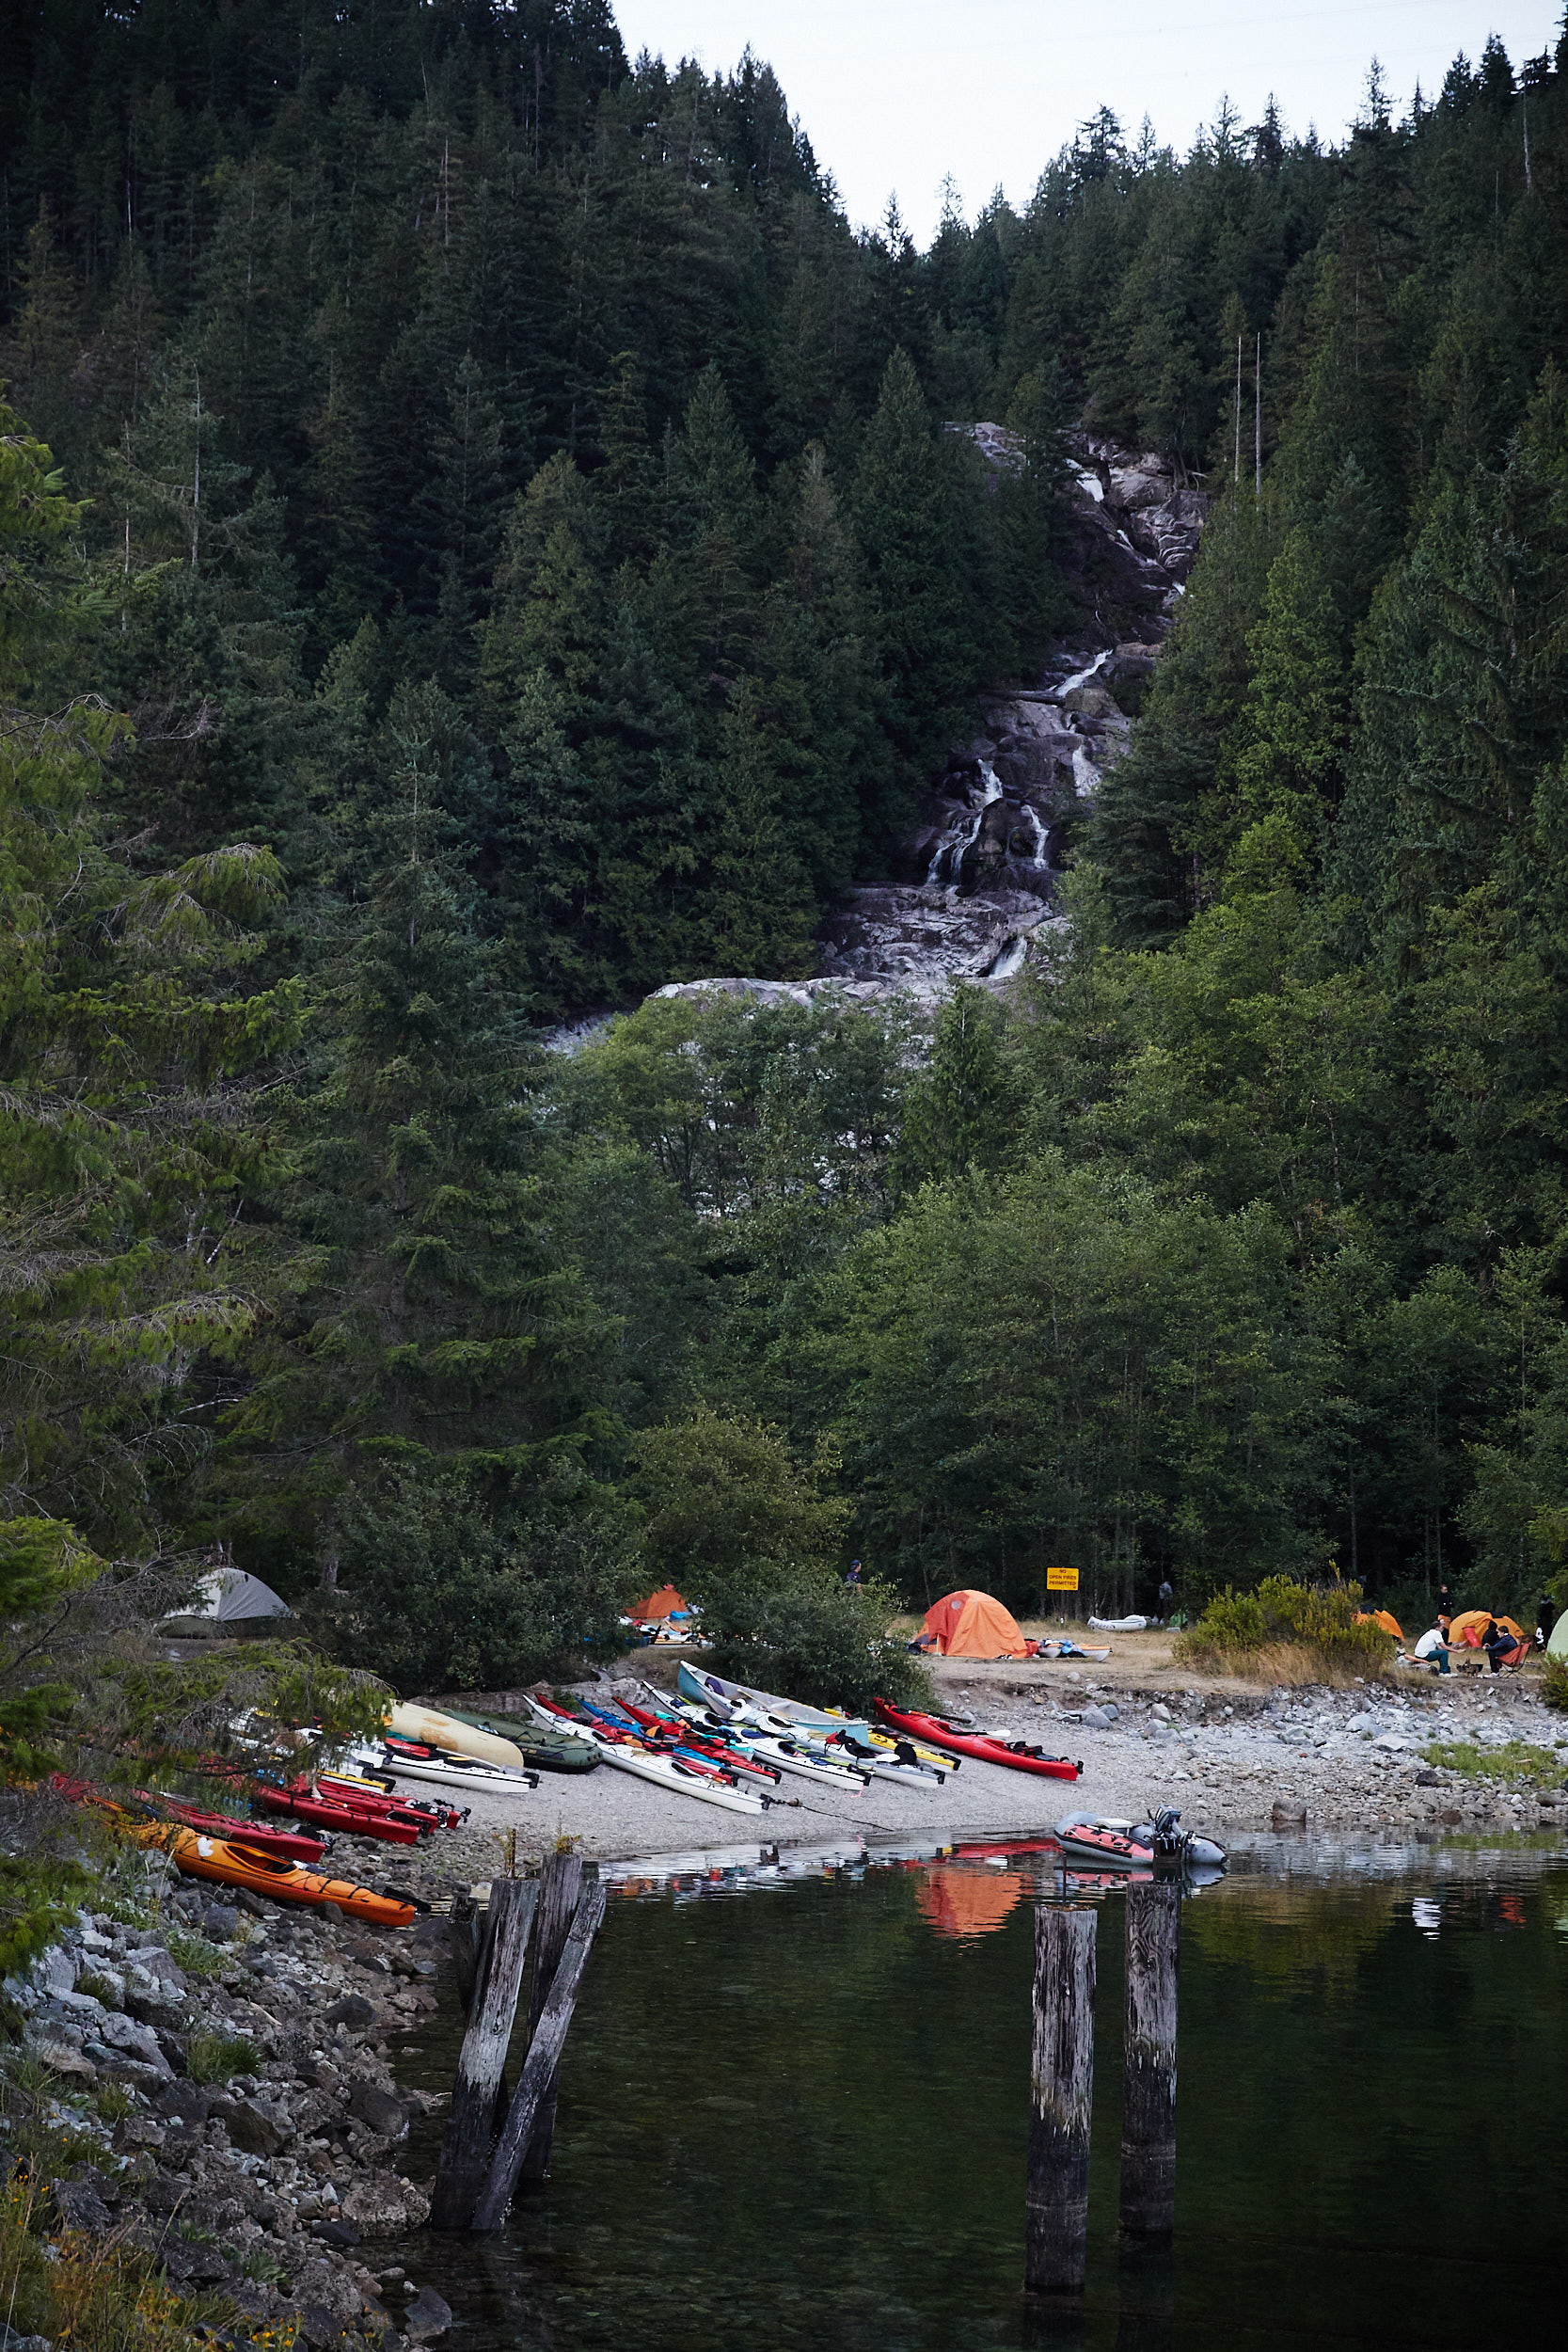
{"type": "Point", "coordinates": [1061, 1580]}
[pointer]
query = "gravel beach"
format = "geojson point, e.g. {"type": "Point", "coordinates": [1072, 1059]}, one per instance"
{"type": "Point", "coordinates": [1145, 1731]}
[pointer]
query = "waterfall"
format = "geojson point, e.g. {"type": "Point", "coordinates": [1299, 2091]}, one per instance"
{"type": "Point", "coordinates": [1008, 960]}
{"type": "Point", "coordinates": [947, 858]}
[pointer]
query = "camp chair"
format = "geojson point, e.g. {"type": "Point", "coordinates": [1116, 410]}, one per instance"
{"type": "Point", "coordinates": [1511, 1660]}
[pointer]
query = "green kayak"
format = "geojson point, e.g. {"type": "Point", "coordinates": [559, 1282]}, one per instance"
{"type": "Point", "coordinates": [546, 1751]}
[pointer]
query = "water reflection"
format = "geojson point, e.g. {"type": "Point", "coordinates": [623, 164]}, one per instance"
{"type": "Point", "coordinates": [960, 1902]}
{"type": "Point", "coordinates": [770, 2125]}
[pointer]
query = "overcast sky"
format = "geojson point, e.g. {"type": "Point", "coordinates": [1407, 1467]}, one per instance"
{"type": "Point", "coordinates": [895, 94]}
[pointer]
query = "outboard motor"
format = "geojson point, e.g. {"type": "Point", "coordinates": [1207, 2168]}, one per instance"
{"type": "Point", "coordinates": [1179, 1849]}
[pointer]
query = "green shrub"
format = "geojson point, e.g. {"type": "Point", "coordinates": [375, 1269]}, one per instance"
{"type": "Point", "coordinates": [1554, 1684]}
{"type": "Point", "coordinates": [211, 2058]}
{"type": "Point", "coordinates": [1318, 1619]}
{"type": "Point", "coordinates": [808, 1637]}
{"type": "Point", "coordinates": [1519, 1761]}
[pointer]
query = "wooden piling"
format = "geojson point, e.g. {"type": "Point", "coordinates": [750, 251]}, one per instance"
{"type": "Point", "coordinates": [470, 2126]}
{"type": "Point", "coordinates": [1149, 2078]}
{"type": "Point", "coordinates": [560, 1891]}
{"type": "Point", "coordinates": [543, 2056]}
{"type": "Point", "coordinates": [1062, 2084]}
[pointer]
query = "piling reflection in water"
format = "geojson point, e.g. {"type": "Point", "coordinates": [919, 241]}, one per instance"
{"type": "Point", "coordinates": [791, 2108]}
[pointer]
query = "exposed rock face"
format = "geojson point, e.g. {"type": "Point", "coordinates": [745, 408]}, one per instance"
{"type": "Point", "coordinates": [973, 881]}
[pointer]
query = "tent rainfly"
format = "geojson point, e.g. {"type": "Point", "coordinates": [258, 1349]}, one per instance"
{"type": "Point", "coordinates": [967, 1624]}
{"type": "Point", "coordinates": [226, 1598]}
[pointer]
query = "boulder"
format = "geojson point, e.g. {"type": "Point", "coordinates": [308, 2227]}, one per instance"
{"type": "Point", "coordinates": [132, 2040]}
{"type": "Point", "coordinates": [61, 2059]}
{"type": "Point", "coordinates": [378, 2111]}
{"type": "Point", "coordinates": [354, 2012]}
{"type": "Point", "coordinates": [80, 2206]}
{"type": "Point", "coordinates": [426, 2316]}
{"type": "Point", "coordinates": [256, 2127]}
{"type": "Point", "coordinates": [379, 2205]}
{"type": "Point", "coordinates": [328, 2284]}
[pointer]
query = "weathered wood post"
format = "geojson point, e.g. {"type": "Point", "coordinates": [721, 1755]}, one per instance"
{"type": "Point", "coordinates": [560, 1891]}
{"type": "Point", "coordinates": [1062, 2084]}
{"type": "Point", "coordinates": [471, 2125]}
{"type": "Point", "coordinates": [1149, 2078]}
{"type": "Point", "coordinates": [543, 2056]}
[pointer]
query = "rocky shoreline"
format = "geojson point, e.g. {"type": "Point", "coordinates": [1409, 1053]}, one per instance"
{"type": "Point", "coordinates": [270, 2185]}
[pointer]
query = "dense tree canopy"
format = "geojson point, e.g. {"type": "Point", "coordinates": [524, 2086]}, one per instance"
{"type": "Point", "coordinates": [478, 541]}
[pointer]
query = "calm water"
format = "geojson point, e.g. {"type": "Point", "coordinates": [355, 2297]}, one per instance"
{"type": "Point", "coordinates": [796, 2112]}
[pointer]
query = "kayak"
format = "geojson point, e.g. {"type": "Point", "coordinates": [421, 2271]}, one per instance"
{"type": "Point", "coordinates": [687, 1739]}
{"type": "Point", "coordinates": [681, 1749]}
{"type": "Point", "coordinates": [695, 1683]}
{"type": "Point", "coordinates": [884, 1762]}
{"type": "Point", "coordinates": [406, 1759]}
{"type": "Point", "coordinates": [291, 1844]}
{"type": "Point", "coordinates": [427, 1727]}
{"type": "Point", "coordinates": [773, 1747]}
{"type": "Point", "coordinates": [668, 1771]}
{"type": "Point", "coordinates": [984, 1746]}
{"type": "Point", "coordinates": [547, 1749]}
{"type": "Point", "coordinates": [232, 1865]}
{"type": "Point", "coordinates": [378, 1796]}
{"type": "Point", "coordinates": [354, 1820]}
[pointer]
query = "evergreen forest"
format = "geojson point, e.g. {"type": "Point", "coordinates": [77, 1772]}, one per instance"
{"type": "Point", "coordinates": [479, 541]}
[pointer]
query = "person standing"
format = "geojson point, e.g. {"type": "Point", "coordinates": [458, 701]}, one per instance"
{"type": "Point", "coordinates": [852, 1576]}
{"type": "Point", "coordinates": [1545, 1618]}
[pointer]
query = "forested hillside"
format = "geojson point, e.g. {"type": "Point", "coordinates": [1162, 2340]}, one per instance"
{"type": "Point", "coordinates": [479, 543]}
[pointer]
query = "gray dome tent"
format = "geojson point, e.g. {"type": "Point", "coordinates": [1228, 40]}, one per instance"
{"type": "Point", "coordinates": [227, 1601]}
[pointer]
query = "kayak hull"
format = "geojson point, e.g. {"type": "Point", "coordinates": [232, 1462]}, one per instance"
{"type": "Point", "coordinates": [705, 1688]}
{"type": "Point", "coordinates": [937, 1732]}
{"type": "Point", "coordinates": [227, 1865]}
{"type": "Point", "coordinates": [433, 1729]}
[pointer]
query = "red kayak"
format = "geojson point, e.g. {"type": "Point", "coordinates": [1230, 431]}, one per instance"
{"type": "Point", "coordinates": [416, 1812]}
{"type": "Point", "coordinates": [354, 1820]}
{"type": "Point", "coordinates": [937, 1732]}
{"type": "Point", "coordinates": [288, 1844]}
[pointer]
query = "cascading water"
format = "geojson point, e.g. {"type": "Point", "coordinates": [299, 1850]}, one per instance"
{"type": "Point", "coordinates": [947, 858]}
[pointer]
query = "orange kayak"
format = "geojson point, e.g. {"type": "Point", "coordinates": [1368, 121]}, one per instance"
{"type": "Point", "coordinates": [202, 1857]}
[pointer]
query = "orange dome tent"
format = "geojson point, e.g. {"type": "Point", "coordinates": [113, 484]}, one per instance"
{"type": "Point", "coordinates": [666, 1603]}
{"type": "Point", "coordinates": [1384, 1617]}
{"type": "Point", "coordinates": [971, 1625]}
{"type": "Point", "coordinates": [1470, 1628]}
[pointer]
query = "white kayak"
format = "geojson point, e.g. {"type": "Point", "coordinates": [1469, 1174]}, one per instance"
{"type": "Point", "coordinates": [779, 1747]}
{"type": "Point", "coordinates": [448, 1771]}
{"type": "Point", "coordinates": [697, 1683]}
{"type": "Point", "coordinates": [666, 1772]}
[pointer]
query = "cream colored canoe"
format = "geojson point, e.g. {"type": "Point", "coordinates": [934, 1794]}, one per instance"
{"type": "Point", "coordinates": [447, 1731]}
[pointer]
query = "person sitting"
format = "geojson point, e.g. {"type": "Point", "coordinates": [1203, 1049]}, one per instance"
{"type": "Point", "coordinates": [1501, 1644]}
{"type": "Point", "coordinates": [1432, 1648]}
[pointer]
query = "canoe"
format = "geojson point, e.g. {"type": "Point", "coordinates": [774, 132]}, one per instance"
{"type": "Point", "coordinates": [1016, 1755]}
{"type": "Point", "coordinates": [547, 1751]}
{"type": "Point", "coordinates": [696, 1683]}
{"type": "Point", "coordinates": [666, 1772]}
{"type": "Point", "coordinates": [230, 1864]}
{"type": "Point", "coordinates": [429, 1728]}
